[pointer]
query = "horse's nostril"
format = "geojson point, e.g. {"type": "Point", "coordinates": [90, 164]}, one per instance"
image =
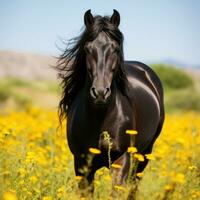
{"type": "Point", "coordinates": [100, 93]}
{"type": "Point", "coordinates": [106, 92]}
{"type": "Point", "coordinates": [94, 92]}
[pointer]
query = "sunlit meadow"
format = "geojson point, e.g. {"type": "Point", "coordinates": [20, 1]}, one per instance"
{"type": "Point", "coordinates": [35, 162]}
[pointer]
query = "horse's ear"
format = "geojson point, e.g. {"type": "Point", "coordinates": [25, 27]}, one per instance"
{"type": "Point", "coordinates": [88, 18]}
{"type": "Point", "coordinates": [115, 18]}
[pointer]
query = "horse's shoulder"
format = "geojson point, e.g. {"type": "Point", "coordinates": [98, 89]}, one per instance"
{"type": "Point", "coordinates": [143, 73]}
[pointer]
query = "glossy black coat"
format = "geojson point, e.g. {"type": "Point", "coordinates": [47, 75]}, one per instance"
{"type": "Point", "coordinates": [102, 92]}
{"type": "Point", "coordinates": [142, 110]}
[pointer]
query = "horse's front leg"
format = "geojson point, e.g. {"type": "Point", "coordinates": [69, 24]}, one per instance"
{"type": "Point", "coordinates": [85, 174]}
{"type": "Point", "coordinates": [120, 168]}
{"type": "Point", "coordinates": [122, 175]}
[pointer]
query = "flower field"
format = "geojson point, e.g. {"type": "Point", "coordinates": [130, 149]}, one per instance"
{"type": "Point", "coordinates": [35, 162]}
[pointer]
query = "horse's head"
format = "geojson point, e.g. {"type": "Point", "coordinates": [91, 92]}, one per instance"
{"type": "Point", "coordinates": [102, 53]}
{"type": "Point", "coordinates": [95, 58]}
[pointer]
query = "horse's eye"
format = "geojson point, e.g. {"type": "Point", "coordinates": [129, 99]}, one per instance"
{"type": "Point", "coordinates": [113, 69]}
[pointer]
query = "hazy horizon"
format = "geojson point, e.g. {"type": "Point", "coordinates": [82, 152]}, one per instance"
{"type": "Point", "coordinates": [153, 30]}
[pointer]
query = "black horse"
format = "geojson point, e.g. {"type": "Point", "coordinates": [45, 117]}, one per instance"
{"type": "Point", "coordinates": [102, 92]}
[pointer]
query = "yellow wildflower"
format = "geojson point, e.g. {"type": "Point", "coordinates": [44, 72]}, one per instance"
{"type": "Point", "coordinates": [132, 150]}
{"type": "Point", "coordinates": [61, 189]}
{"type": "Point", "coordinates": [30, 157]}
{"type": "Point", "coordinates": [35, 190]}
{"type": "Point", "coordinates": [10, 195]}
{"type": "Point", "coordinates": [78, 178]}
{"type": "Point", "coordinates": [22, 172]}
{"type": "Point", "coordinates": [47, 198]}
{"type": "Point", "coordinates": [94, 150]}
{"type": "Point", "coordinates": [99, 172]}
{"type": "Point", "coordinates": [150, 156]}
{"type": "Point", "coordinates": [107, 177]}
{"type": "Point", "coordinates": [139, 174]}
{"type": "Point", "coordinates": [179, 178]}
{"type": "Point", "coordinates": [195, 194]}
{"type": "Point", "coordinates": [192, 167]}
{"type": "Point", "coordinates": [21, 182]}
{"type": "Point", "coordinates": [131, 132]}
{"type": "Point", "coordinates": [169, 187]}
{"type": "Point", "coordinates": [46, 182]}
{"type": "Point", "coordinates": [96, 182]}
{"type": "Point", "coordinates": [139, 157]}
{"type": "Point", "coordinates": [117, 166]}
{"type": "Point", "coordinates": [33, 179]}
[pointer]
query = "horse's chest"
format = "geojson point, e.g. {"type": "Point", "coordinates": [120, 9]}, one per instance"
{"type": "Point", "coordinates": [104, 134]}
{"type": "Point", "coordinates": [113, 133]}
{"type": "Point", "coordinates": [89, 128]}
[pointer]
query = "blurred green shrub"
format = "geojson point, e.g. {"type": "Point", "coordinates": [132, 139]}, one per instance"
{"type": "Point", "coordinates": [4, 92]}
{"type": "Point", "coordinates": [188, 99]}
{"type": "Point", "coordinates": [16, 82]}
{"type": "Point", "coordinates": [8, 90]}
{"type": "Point", "coordinates": [171, 77]}
{"type": "Point", "coordinates": [21, 100]}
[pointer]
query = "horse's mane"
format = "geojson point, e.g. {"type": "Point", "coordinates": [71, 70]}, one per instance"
{"type": "Point", "coordinates": [72, 66]}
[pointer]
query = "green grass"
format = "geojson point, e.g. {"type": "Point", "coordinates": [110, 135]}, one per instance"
{"type": "Point", "coordinates": [17, 93]}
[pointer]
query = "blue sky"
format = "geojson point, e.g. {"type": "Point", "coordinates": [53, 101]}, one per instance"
{"type": "Point", "coordinates": [153, 29]}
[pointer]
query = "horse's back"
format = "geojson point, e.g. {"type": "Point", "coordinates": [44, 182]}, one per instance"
{"type": "Point", "coordinates": [146, 92]}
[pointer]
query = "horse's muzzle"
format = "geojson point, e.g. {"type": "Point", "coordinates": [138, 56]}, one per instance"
{"type": "Point", "coordinates": [100, 95]}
